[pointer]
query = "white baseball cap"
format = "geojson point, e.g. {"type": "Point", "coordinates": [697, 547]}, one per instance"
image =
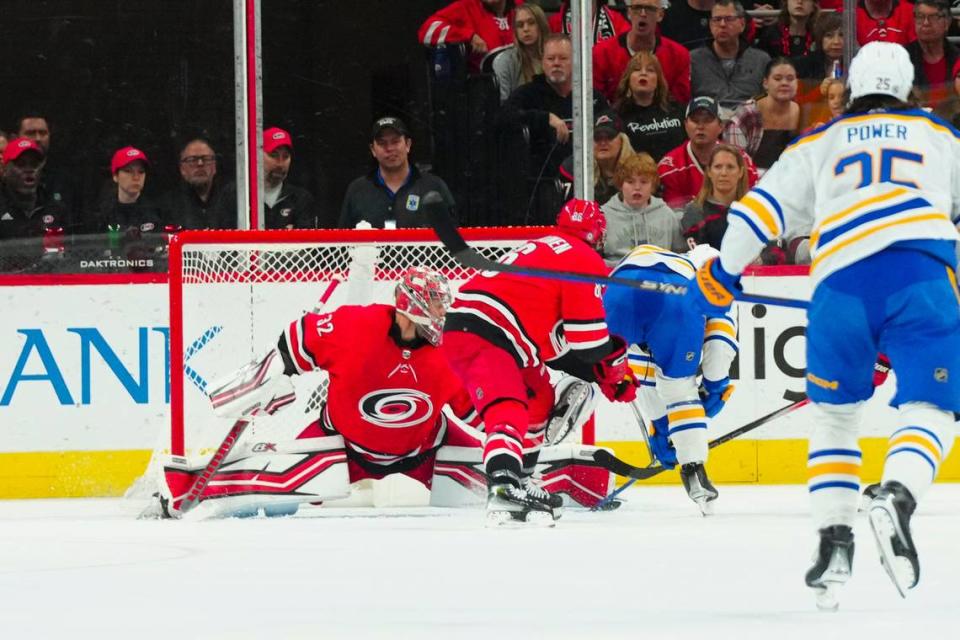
{"type": "Point", "coordinates": [881, 68]}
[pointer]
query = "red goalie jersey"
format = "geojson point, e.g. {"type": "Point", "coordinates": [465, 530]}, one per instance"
{"type": "Point", "coordinates": [384, 397]}
{"type": "Point", "coordinates": [535, 319]}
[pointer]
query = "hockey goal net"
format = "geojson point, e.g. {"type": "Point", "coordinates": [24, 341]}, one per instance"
{"type": "Point", "coordinates": [233, 292]}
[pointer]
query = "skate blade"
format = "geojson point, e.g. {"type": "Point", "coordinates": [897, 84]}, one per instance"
{"type": "Point", "coordinates": [899, 569]}
{"type": "Point", "coordinates": [705, 505]}
{"type": "Point", "coordinates": [828, 596]}
{"type": "Point", "coordinates": [517, 520]}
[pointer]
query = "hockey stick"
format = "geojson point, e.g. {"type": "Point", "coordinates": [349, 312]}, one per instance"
{"type": "Point", "coordinates": [192, 498]}
{"type": "Point", "coordinates": [446, 230]}
{"type": "Point", "coordinates": [614, 464]}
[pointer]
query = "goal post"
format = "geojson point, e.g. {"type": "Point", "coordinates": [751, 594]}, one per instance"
{"type": "Point", "coordinates": [233, 292]}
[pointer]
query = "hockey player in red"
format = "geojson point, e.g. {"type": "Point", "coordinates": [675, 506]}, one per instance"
{"type": "Point", "coordinates": [483, 25]}
{"type": "Point", "coordinates": [501, 332]}
{"type": "Point", "coordinates": [388, 380]}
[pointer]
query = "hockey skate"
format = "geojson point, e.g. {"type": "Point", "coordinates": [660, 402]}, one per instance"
{"type": "Point", "coordinates": [259, 387]}
{"type": "Point", "coordinates": [509, 504]}
{"type": "Point", "coordinates": [698, 486]}
{"type": "Point", "coordinates": [833, 565]}
{"type": "Point", "coordinates": [869, 493]}
{"type": "Point", "coordinates": [537, 492]}
{"type": "Point", "coordinates": [574, 403]}
{"type": "Point", "coordinates": [889, 515]}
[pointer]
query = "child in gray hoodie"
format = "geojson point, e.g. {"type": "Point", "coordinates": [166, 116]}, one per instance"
{"type": "Point", "coordinates": [635, 216]}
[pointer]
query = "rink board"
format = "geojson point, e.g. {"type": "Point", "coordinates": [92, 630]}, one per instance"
{"type": "Point", "coordinates": [84, 391]}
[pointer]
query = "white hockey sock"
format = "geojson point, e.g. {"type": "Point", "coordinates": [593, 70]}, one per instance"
{"type": "Point", "coordinates": [686, 418]}
{"type": "Point", "coordinates": [833, 464]}
{"type": "Point", "coordinates": [921, 441]}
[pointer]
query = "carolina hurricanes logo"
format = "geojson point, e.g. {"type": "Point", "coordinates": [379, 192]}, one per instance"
{"type": "Point", "coordinates": [396, 408]}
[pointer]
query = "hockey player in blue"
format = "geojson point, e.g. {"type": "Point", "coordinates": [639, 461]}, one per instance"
{"type": "Point", "coordinates": [670, 341]}
{"type": "Point", "coordinates": [879, 188]}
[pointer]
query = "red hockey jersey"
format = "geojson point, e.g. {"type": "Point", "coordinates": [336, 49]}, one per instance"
{"type": "Point", "coordinates": [384, 398]}
{"type": "Point", "coordinates": [681, 175]}
{"type": "Point", "coordinates": [537, 319]}
{"type": "Point", "coordinates": [897, 27]}
{"type": "Point", "coordinates": [460, 21]}
{"type": "Point", "coordinates": [610, 59]}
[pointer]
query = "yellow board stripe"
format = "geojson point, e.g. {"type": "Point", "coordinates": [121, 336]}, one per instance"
{"type": "Point", "coordinates": [845, 468]}
{"type": "Point", "coordinates": [919, 440]}
{"type": "Point", "coordinates": [761, 212]}
{"type": "Point", "coordinates": [815, 236]}
{"type": "Point", "coordinates": [70, 474]}
{"type": "Point", "coordinates": [860, 236]}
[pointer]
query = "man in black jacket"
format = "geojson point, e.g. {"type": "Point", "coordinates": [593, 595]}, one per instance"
{"type": "Point", "coordinates": [545, 107]}
{"type": "Point", "coordinates": [390, 195]}
{"type": "Point", "coordinates": [195, 202]}
{"type": "Point", "coordinates": [285, 206]}
{"type": "Point", "coordinates": [932, 55]}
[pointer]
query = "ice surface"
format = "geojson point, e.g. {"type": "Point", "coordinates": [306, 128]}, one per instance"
{"type": "Point", "coordinates": [653, 569]}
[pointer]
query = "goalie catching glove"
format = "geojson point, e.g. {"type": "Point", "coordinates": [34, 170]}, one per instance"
{"type": "Point", "coordinates": [715, 289]}
{"type": "Point", "coordinates": [714, 395]}
{"type": "Point", "coordinates": [613, 374]}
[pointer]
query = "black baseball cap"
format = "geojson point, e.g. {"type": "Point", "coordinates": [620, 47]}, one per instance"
{"type": "Point", "coordinates": [389, 122]}
{"type": "Point", "coordinates": [706, 103]}
{"type": "Point", "coordinates": [608, 123]}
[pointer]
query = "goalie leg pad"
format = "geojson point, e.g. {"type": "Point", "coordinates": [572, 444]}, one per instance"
{"type": "Point", "coordinates": [265, 474]}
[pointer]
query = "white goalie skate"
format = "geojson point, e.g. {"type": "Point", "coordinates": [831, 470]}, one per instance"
{"type": "Point", "coordinates": [259, 387]}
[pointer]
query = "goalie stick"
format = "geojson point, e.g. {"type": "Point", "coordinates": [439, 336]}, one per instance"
{"type": "Point", "coordinates": [192, 498]}
{"type": "Point", "coordinates": [446, 230]}
{"type": "Point", "coordinates": [622, 468]}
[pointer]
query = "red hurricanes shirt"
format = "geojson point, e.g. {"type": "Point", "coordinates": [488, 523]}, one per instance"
{"type": "Point", "coordinates": [897, 27]}
{"type": "Point", "coordinates": [606, 24]}
{"type": "Point", "coordinates": [681, 175]}
{"type": "Point", "coordinates": [610, 59]}
{"type": "Point", "coordinates": [460, 21]}
{"type": "Point", "coordinates": [537, 319]}
{"type": "Point", "coordinates": [384, 398]}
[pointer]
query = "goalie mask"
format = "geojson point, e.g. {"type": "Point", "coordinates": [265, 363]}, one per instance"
{"type": "Point", "coordinates": [583, 219]}
{"type": "Point", "coordinates": [422, 296]}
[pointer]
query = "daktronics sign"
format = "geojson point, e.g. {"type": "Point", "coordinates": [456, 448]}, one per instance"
{"type": "Point", "coordinates": [40, 363]}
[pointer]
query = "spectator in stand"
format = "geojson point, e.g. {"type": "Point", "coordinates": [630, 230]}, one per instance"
{"type": "Point", "coordinates": [726, 179]}
{"type": "Point", "coordinates": [524, 60]}
{"type": "Point", "coordinates": [826, 60]}
{"type": "Point", "coordinates": [390, 195]}
{"type": "Point", "coordinates": [196, 202]}
{"type": "Point", "coordinates": [885, 20]}
{"type": "Point", "coordinates": [610, 57]}
{"type": "Point", "coordinates": [26, 210]}
{"type": "Point", "coordinates": [635, 216]}
{"type": "Point", "coordinates": [124, 207]}
{"type": "Point", "coordinates": [727, 68]}
{"type": "Point", "coordinates": [483, 25]}
{"type": "Point", "coordinates": [833, 91]}
{"type": "Point", "coordinates": [932, 55]}
{"type": "Point", "coordinates": [765, 126]}
{"type": "Point", "coordinates": [611, 148]}
{"type": "Point", "coordinates": [285, 206]}
{"type": "Point", "coordinates": [724, 182]}
{"type": "Point", "coordinates": [791, 35]}
{"type": "Point", "coordinates": [545, 107]}
{"type": "Point", "coordinates": [688, 21]}
{"type": "Point", "coordinates": [955, 120]}
{"type": "Point", "coordinates": [651, 119]}
{"type": "Point", "coordinates": [4, 139]}
{"type": "Point", "coordinates": [681, 169]}
{"type": "Point", "coordinates": [607, 22]}
{"type": "Point", "coordinates": [59, 184]}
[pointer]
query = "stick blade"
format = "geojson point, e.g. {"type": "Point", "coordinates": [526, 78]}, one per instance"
{"type": "Point", "coordinates": [438, 214]}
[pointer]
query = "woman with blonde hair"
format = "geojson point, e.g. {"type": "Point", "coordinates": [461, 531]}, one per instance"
{"type": "Point", "coordinates": [522, 61]}
{"type": "Point", "coordinates": [652, 121]}
{"type": "Point", "coordinates": [611, 147]}
{"type": "Point", "coordinates": [725, 180]}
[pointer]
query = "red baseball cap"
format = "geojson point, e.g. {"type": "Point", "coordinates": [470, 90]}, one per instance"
{"type": "Point", "coordinates": [19, 146]}
{"type": "Point", "coordinates": [274, 137]}
{"type": "Point", "coordinates": [125, 156]}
